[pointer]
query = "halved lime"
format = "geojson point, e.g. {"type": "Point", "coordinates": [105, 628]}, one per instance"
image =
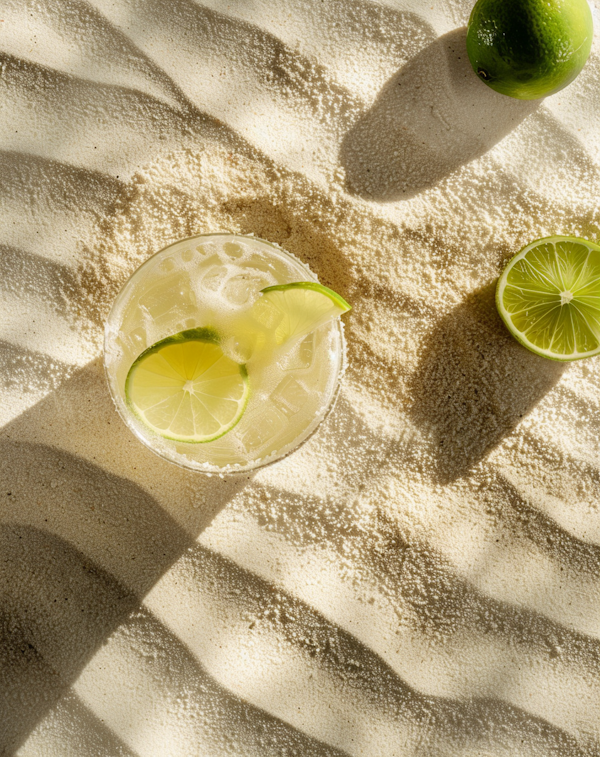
{"type": "Point", "coordinates": [549, 297]}
{"type": "Point", "coordinates": [289, 311]}
{"type": "Point", "coordinates": [185, 389]}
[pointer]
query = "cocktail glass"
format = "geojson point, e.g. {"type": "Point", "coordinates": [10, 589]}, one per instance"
{"type": "Point", "coordinates": [208, 281]}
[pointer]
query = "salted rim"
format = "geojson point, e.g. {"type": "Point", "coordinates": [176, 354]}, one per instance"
{"type": "Point", "coordinates": [206, 468]}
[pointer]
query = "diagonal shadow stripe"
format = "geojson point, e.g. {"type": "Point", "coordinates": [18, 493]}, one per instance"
{"type": "Point", "coordinates": [444, 601]}
{"type": "Point", "coordinates": [440, 723]}
{"type": "Point", "coordinates": [73, 730]}
{"type": "Point", "coordinates": [131, 112]}
{"type": "Point", "coordinates": [542, 530]}
{"type": "Point", "coordinates": [28, 370]}
{"type": "Point", "coordinates": [99, 41]}
{"type": "Point", "coordinates": [171, 672]}
{"type": "Point", "coordinates": [58, 608]}
{"type": "Point", "coordinates": [70, 187]}
{"type": "Point", "coordinates": [573, 466]}
{"type": "Point", "coordinates": [320, 27]}
{"type": "Point", "coordinates": [436, 609]}
{"type": "Point", "coordinates": [272, 62]}
{"type": "Point", "coordinates": [26, 274]}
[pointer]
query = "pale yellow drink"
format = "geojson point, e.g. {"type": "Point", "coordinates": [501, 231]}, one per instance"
{"type": "Point", "coordinates": [211, 281]}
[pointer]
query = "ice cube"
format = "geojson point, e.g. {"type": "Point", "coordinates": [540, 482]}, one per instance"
{"type": "Point", "coordinates": [267, 314]}
{"type": "Point", "coordinates": [215, 273]}
{"type": "Point", "coordinates": [170, 299]}
{"type": "Point", "coordinates": [136, 340]}
{"type": "Point", "coordinates": [233, 250]}
{"type": "Point", "coordinates": [259, 265]}
{"type": "Point", "coordinates": [265, 425]}
{"type": "Point", "coordinates": [239, 288]}
{"type": "Point", "coordinates": [289, 396]}
{"type": "Point", "coordinates": [214, 278]}
{"type": "Point", "coordinates": [300, 356]}
{"type": "Point", "coordinates": [167, 265]}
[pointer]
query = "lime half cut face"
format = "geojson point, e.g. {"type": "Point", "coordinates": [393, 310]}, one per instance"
{"type": "Point", "coordinates": [549, 298]}
{"type": "Point", "coordinates": [290, 311]}
{"type": "Point", "coordinates": [185, 389]}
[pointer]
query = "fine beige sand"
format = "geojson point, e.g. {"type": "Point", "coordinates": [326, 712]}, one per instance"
{"type": "Point", "coordinates": [422, 578]}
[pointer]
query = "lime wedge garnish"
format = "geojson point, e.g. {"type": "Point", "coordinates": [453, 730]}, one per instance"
{"type": "Point", "coordinates": [289, 311]}
{"type": "Point", "coordinates": [185, 389]}
{"type": "Point", "coordinates": [549, 297]}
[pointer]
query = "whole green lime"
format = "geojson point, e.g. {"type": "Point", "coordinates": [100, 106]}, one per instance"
{"type": "Point", "coordinates": [529, 48]}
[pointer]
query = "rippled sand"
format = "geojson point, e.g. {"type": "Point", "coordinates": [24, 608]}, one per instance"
{"type": "Point", "coordinates": [423, 577]}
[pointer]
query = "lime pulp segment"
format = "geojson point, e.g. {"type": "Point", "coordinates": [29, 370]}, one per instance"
{"type": "Point", "coordinates": [549, 297]}
{"type": "Point", "coordinates": [185, 389]}
{"type": "Point", "coordinates": [289, 311]}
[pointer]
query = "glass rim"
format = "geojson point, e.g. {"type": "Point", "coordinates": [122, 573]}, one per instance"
{"type": "Point", "coordinates": [235, 469]}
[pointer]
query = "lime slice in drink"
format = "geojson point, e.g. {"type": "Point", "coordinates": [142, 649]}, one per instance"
{"type": "Point", "coordinates": [289, 311]}
{"type": "Point", "coordinates": [549, 297]}
{"type": "Point", "coordinates": [185, 389]}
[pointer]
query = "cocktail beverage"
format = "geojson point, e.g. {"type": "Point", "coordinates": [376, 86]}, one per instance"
{"type": "Point", "coordinates": [218, 359]}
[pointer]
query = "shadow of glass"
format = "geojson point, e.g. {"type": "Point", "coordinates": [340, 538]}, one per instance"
{"type": "Point", "coordinates": [57, 609]}
{"type": "Point", "coordinates": [43, 373]}
{"type": "Point", "coordinates": [71, 608]}
{"type": "Point", "coordinates": [72, 730]}
{"type": "Point", "coordinates": [474, 383]}
{"type": "Point", "coordinates": [429, 119]}
{"type": "Point", "coordinates": [81, 544]}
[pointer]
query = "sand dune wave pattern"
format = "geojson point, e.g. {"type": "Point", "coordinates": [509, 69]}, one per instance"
{"type": "Point", "coordinates": [422, 578]}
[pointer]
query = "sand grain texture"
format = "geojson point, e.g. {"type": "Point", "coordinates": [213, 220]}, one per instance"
{"type": "Point", "coordinates": [422, 578]}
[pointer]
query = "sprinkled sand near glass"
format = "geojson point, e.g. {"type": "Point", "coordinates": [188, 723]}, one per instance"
{"type": "Point", "coordinates": [420, 578]}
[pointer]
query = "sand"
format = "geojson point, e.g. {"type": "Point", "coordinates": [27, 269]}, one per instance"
{"type": "Point", "coordinates": [422, 578]}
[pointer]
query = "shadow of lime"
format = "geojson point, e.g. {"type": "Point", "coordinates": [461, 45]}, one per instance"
{"type": "Point", "coordinates": [474, 384]}
{"type": "Point", "coordinates": [430, 118]}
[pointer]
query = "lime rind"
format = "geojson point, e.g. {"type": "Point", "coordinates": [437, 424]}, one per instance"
{"type": "Point", "coordinates": [549, 298]}
{"type": "Point", "coordinates": [198, 334]}
{"type": "Point", "coordinates": [286, 312]}
{"type": "Point", "coordinates": [220, 375]}
{"type": "Point", "coordinates": [313, 286]}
